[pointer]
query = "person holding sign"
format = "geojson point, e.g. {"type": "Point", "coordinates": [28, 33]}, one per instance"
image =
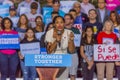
{"type": "Point", "coordinates": [61, 41]}
{"type": "Point", "coordinates": [106, 37]}
{"type": "Point", "coordinates": [8, 57]}
{"type": "Point", "coordinates": [86, 51]}
{"type": "Point", "coordinates": [29, 72]}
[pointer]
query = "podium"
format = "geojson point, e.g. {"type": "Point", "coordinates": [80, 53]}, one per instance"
{"type": "Point", "coordinates": [47, 73]}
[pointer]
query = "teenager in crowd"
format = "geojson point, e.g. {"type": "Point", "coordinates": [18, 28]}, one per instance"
{"type": "Point", "coordinates": [60, 42]}
{"type": "Point", "coordinates": [102, 12]}
{"type": "Point", "coordinates": [33, 14]}
{"type": "Point", "coordinates": [22, 25]}
{"type": "Point", "coordinates": [106, 37]}
{"type": "Point", "coordinates": [29, 72]}
{"type": "Point", "coordinates": [39, 24]}
{"type": "Point", "coordinates": [8, 57]}
{"type": "Point", "coordinates": [25, 7]}
{"type": "Point", "coordinates": [69, 25]}
{"type": "Point", "coordinates": [13, 16]}
{"type": "Point", "coordinates": [86, 51]}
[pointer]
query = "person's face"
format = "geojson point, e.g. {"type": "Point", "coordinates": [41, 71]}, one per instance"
{"type": "Point", "coordinates": [113, 17]}
{"type": "Point", "coordinates": [108, 26]}
{"type": "Point", "coordinates": [67, 20]}
{"type": "Point", "coordinates": [12, 13]}
{"type": "Point", "coordinates": [101, 4]}
{"type": "Point", "coordinates": [30, 34]}
{"type": "Point", "coordinates": [59, 24]}
{"type": "Point", "coordinates": [85, 1]}
{"type": "Point", "coordinates": [54, 15]}
{"type": "Point", "coordinates": [74, 14]}
{"type": "Point", "coordinates": [39, 21]}
{"type": "Point", "coordinates": [77, 7]}
{"type": "Point", "coordinates": [7, 24]}
{"type": "Point", "coordinates": [89, 32]}
{"type": "Point", "coordinates": [56, 7]}
{"type": "Point", "coordinates": [23, 20]}
{"type": "Point", "coordinates": [49, 1]}
{"type": "Point", "coordinates": [92, 15]}
{"type": "Point", "coordinates": [33, 10]}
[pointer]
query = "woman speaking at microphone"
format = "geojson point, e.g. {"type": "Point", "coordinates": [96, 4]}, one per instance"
{"type": "Point", "coordinates": [60, 41]}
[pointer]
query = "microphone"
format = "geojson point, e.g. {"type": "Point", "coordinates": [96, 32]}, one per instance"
{"type": "Point", "coordinates": [59, 33]}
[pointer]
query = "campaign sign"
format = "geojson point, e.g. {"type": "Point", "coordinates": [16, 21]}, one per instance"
{"type": "Point", "coordinates": [77, 39]}
{"type": "Point", "coordinates": [4, 10]}
{"type": "Point", "coordinates": [104, 52]}
{"type": "Point", "coordinates": [78, 26]}
{"type": "Point", "coordinates": [66, 5]}
{"type": "Point", "coordinates": [30, 48]}
{"type": "Point", "coordinates": [24, 10]}
{"type": "Point", "coordinates": [39, 35]}
{"type": "Point", "coordinates": [48, 60]}
{"type": "Point", "coordinates": [9, 42]}
{"type": "Point", "coordinates": [43, 51]}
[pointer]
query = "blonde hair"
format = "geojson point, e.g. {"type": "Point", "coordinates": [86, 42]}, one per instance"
{"type": "Point", "coordinates": [108, 21]}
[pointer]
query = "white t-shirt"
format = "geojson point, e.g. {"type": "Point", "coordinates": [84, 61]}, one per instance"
{"type": "Point", "coordinates": [64, 41]}
{"type": "Point", "coordinates": [31, 19]}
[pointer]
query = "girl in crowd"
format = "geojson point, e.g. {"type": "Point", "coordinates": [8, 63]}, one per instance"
{"type": "Point", "coordinates": [106, 37]}
{"type": "Point", "coordinates": [8, 57]}
{"type": "Point", "coordinates": [86, 51]}
{"type": "Point", "coordinates": [29, 72]}
{"type": "Point", "coordinates": [22, 25]}
{"type": "Point", "coordinates": [114, 17]}
{"type": "Point", "coordinates": [116, 21]}
{"type": "Point", "coordinates": [39, 24]}
{"type": "Point", "coordinates": [61, 41]}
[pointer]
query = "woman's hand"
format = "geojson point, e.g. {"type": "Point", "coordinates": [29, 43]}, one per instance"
{"type": "Point", "coordinates": [117, 63]}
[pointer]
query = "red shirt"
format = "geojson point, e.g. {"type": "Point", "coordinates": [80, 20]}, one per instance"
{"type": "Point", "coordinates": [8, 51]}
{"type": "Point", "coordinates": [106, 38]}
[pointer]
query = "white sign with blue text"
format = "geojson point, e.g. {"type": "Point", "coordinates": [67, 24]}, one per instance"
{"type": "Point", "coordinates": [48, 60]}
{"type": "Point", "coordinates": [77, 39]}
{"type": "Point", "coordinates": [9, 42]}
{"type": "Point", "coordinates": [30, 48]}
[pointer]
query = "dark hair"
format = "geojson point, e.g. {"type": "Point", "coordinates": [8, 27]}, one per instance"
{"type": "Point", "coordinates": [48, 26]}
{"type": "Point", "coordinates": [30, 28]}
{"type": "Point", "coordinates": [41, 20]}
{"type": "Point", "coordinates": [34, 5]}
{"type": "Point", "coordinates": [54, 12]}
{"type": "Point", "coordinates": [92, 10]}
{"type": "Point", "coordinates": [72, 10]}
{"type": "Point", "coordinates": [19, 23]}
{"type": "Point", "coordinates": [58, 17]}
{"type": "Point", "coordinates": [104, 1]}
{"type": "Point", "coordinates": [84, 36]}
{"type": "Point", "coordinates": [71, 17]}
{"type": "Point", "coordinates": [3, 22]}
{"type": "Point", "coordinates": [56, 2]}
{"type": "Point", "coordinates": [117, 17]}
